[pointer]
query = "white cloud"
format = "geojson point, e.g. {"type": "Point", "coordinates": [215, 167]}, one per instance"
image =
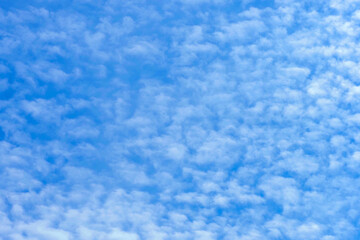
{"type": "Point", "coordinates": [183, 120]}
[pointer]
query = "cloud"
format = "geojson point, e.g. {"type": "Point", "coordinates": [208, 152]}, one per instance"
{"type": "Point", "coordinates": [242, 31]}
{"type": "Point", "coordinates": [183, 120]}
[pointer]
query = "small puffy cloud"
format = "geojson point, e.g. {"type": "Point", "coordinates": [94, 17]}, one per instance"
{"type": "Point", "coordinates": [42, 230]}
{"type": "Point", "coordinates": [118, 234]}
{"type": "Point", "coordinates": [282, 190]}
{"type": "Point", "coordinates": [241, 31]}
{"type": "Point", "coordinates": [176, 151]}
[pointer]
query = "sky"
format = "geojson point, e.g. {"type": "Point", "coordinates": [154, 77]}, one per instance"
{"type": "Point", "coordinates": [179, 120]}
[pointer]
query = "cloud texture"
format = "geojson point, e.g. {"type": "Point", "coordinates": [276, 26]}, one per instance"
{"type": "Point", "coordinates": [156, 120]}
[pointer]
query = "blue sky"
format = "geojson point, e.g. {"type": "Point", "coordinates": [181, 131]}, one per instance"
{"type": "Point", "coordinates": [182, 119]}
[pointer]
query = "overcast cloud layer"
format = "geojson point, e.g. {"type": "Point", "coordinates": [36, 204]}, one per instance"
{"type": "Point", "coordinates": [179, 120]}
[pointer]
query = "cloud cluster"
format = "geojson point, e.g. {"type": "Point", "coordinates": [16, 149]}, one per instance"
{"type": "Point", "coordinates": [129, 120]}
